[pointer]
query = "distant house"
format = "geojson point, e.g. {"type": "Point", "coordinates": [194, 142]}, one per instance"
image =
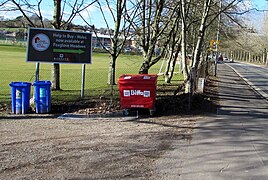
{"type": "Point", "coordinates": [10, 36]}
{"type": "Point", "coordinates": [101, 39]}
{"type": "Point", "coordinates": [105, 40]}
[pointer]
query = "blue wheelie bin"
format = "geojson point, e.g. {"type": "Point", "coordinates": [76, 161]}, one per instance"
{"type": "Point", "coordinates": [20, 96]}
{"type": "Point", "coordinates": [42, 96]}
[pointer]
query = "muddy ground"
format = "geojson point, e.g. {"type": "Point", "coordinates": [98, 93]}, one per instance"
{"type": "Point", "coordinates": [46, 147]}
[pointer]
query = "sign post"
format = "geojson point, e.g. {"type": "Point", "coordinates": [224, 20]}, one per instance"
{"type": "Point", "coordinates": [83, 80]}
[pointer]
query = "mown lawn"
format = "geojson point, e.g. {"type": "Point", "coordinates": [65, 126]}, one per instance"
{"type": "Point", "coordinates": [15, 68]}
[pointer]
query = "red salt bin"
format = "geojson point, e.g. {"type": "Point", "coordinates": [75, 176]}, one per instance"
{"type": "Point", "coordinates": [137, 91]}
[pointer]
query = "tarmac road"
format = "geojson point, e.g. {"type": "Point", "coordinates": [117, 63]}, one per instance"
{"type": "Point", "coordinates": [255, 76]}
{"type": "Point", "coordinates": [230, 145]}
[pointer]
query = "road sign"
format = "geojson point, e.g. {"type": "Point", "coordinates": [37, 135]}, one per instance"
{"type": "Point", "coordinates": [213, 44]}
{"type": "Point", "coordinates": [58, 46]}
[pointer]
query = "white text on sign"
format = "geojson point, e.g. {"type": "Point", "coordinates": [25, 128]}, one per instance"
{"type": "Point", "coordinates": [128, 93]}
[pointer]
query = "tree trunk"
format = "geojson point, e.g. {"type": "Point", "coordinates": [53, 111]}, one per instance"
{"type": "Point", "coordinates": [111, 73]}
{"type": "Point", "coordinates": [183, 47]}
{"type": "Point", "coordinates": [266, 59]}
{"type": "Point", "coordinates": [166, 73]}
{"type": "Point", "coordinates": [264, 56]}
{"type": "Point", "coordinates": [55, 70]}
{"type": "Point", "coordinates": [191, 87]}
{"type": "Point", "coordinates": [144, 67]}
{"type": "Point", "coordinates": [116, 45]}
{"type": "Point", "coordinates": [55, 75]}
{"type": "Point", "coordinates": [200, 39]}
{"type": "Point", "coordinates": [171, 66]}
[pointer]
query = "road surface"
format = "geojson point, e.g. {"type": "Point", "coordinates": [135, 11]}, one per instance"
{"type": "Point", "coordinates": [255, 76]}
{"type": "Point", "coordinates": [230, 145]}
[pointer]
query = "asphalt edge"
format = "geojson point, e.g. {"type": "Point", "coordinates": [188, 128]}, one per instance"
{"type": "Point", "coordinates": [251, 85]}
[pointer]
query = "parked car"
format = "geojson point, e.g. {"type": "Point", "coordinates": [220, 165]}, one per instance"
{"type": "Point", "coordinates": [220, 58]}
{"type": "Point", "coordinates": [127, 50]}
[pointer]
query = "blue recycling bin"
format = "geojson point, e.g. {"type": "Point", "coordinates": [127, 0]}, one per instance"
{"type": "Point", "coordinates": [42, 96]}
{"type": "Point", "coordinates": [20, 96]}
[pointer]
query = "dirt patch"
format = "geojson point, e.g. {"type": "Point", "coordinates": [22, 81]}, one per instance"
{"type": "Point", "coordinates": [87, 149]}
{"type": "Point", "coordinates": [5, 108]}
{"type": "Point", "coordinates": [166, 103]}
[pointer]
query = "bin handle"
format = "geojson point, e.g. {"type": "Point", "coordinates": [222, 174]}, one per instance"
{"type": "Point", "coordinates": [146, 77]}
{"type": "Point", "coordinates": [127, 77]}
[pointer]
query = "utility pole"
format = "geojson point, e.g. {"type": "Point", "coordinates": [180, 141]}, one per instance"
{"type": "Point", "coordinates": [218, 38]}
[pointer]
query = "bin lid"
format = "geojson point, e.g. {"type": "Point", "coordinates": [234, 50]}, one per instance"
{"type": "Point", "coordinates": [138, 78]}
{"type": "Point", "coordinates": [41, 83]}
{"type": "Point", "coordinates": [20, 84]}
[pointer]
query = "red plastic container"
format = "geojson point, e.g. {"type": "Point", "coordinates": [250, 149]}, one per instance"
{"type": "Point", "coordinates": [138, 91]}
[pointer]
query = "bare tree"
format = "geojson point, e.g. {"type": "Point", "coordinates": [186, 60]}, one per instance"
{"type": "Point", "coordinates": [118, 35]}
{"type": "Point", "coordinates": [199, 17]}
{"type": "Point", "coordinates": [208, 16]}
{"type": "Point", "coordinates": [173, 52]}
{"type": "Point", "coordinates": [150, 23]}
{"type": "Point", "coordinates": [173, 39]}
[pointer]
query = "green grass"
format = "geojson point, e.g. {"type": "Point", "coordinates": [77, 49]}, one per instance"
{"type": "Point", "coordinates": [13, 29]}
{"type": "Point", "coordinates": [15, 68]}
